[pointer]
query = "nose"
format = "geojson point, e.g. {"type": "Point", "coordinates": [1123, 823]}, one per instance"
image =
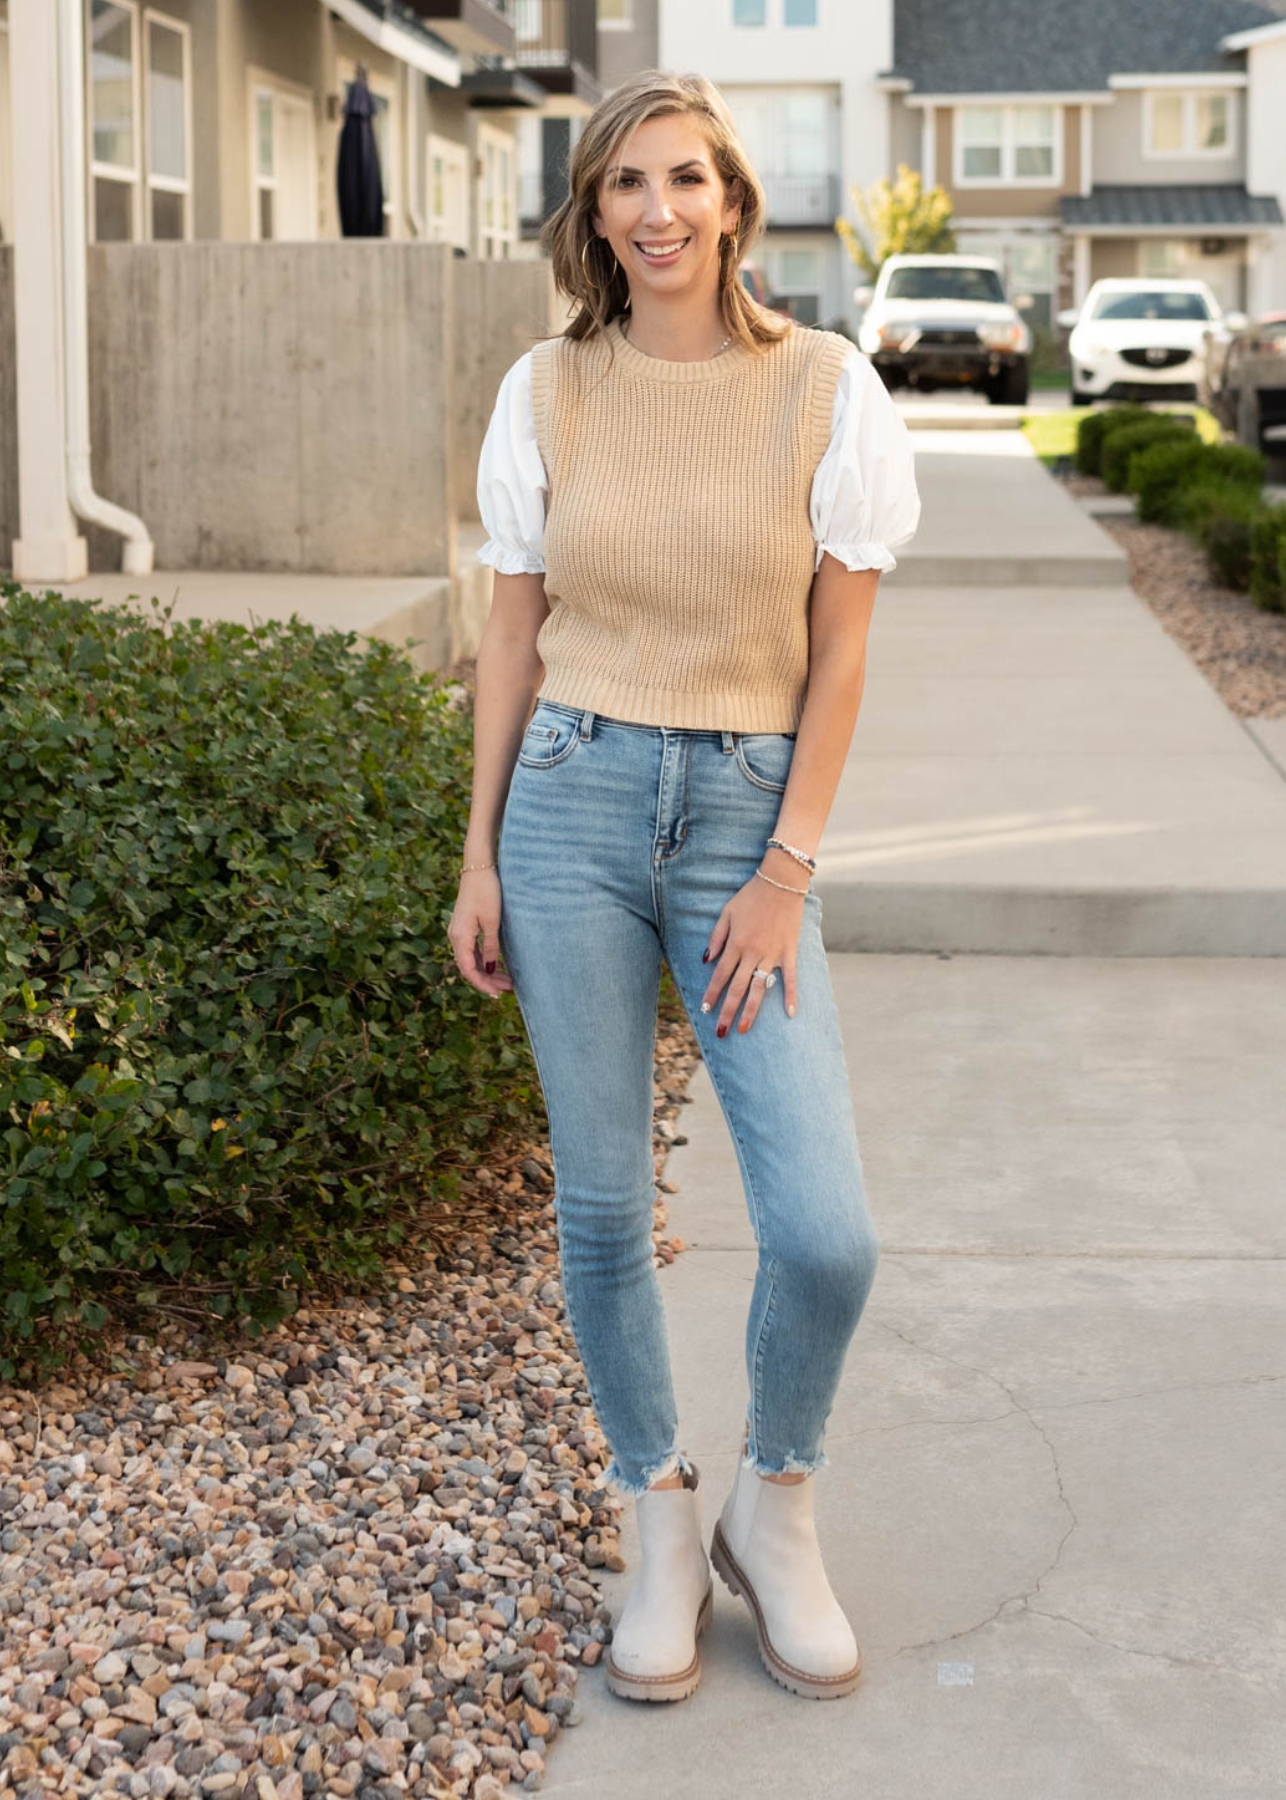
{"type": "Point", "coordinates": [658, 210]}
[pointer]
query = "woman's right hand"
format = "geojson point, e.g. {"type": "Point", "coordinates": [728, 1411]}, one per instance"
{"type": "Point", "coordinates": [477, 916]}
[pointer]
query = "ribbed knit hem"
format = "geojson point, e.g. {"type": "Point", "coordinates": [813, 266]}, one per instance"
{"type": "Point", "coordinates": [672, 706]}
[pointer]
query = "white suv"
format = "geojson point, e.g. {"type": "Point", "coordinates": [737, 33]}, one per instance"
{"type": "Point", "coordinates": [1140, 338]}
{"type": "Point", "coordinates": [945, 321]}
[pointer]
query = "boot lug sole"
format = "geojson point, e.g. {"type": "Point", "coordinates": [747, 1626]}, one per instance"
{"type": "Point", "coordinates": [664, 1687]}
{"type": "Point", "coordinates": [799, 1681]}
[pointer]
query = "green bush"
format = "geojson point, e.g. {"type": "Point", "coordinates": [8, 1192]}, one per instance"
{"type": "Point", "coordinates": [1095, 427]}
{"type": "Point", "coordinates": [1222, 524]}
{"type": "Point", "coordinates": [1120, 445]}
{"type": "Point", "coordinates": [236, 1060]}
{"type": "Point", "coordinates": [1161, 472]}
{"type": "Point", "coordinates": [1268, 559]}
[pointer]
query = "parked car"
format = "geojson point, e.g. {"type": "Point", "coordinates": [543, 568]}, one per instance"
{"type": "Point", "coordinates": [936, 321]}
{"type": "Point", "coordinates": [1139, 338]}
{"type": "Point", "coordinates": [1242, 380]}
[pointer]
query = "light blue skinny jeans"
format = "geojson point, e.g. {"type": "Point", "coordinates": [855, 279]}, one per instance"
{"type": "Point", "coordinates": [620, 843]}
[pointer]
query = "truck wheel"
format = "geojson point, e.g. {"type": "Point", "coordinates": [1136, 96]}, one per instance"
{"type": "Point", "coordinates": [1013, 384]}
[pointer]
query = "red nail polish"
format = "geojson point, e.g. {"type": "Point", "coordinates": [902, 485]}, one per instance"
{"type": "Point", "coordinates": [705, 956]}
{"type": "Point", "coordinates": [721, 1031]}
{"type": "Point", "coordinates": [491, 968]}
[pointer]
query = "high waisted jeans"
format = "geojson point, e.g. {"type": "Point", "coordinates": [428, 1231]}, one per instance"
{"type": "Point", "coordinates": [622, 842]}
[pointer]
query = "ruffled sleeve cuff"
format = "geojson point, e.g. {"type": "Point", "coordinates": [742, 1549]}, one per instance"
{"type": "Point", "coordinates": [858, 556]}
{"type": "Point", "coordinates": [507, 561]}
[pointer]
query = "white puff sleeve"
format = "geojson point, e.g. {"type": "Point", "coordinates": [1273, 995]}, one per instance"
{"type": "Point", "coordinates": [512, 484]}
{"type": "Point", "coordinates": [864, 501]}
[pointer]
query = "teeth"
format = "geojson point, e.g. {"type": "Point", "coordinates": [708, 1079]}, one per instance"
{"type": "Point", "coordinates": [668, 250]}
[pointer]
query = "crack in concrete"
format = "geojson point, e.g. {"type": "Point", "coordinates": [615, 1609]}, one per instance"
{"type": "Point", "coordinates": [1022, 1601]}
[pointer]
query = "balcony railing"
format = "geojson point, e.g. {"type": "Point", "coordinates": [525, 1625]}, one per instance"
{"type": "Point", "coordinates": [552, 34]}
{"type": "Point", "coordinates": [800, 200]}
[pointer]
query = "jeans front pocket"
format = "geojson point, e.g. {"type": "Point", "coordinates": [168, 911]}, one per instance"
{"type": "Point", "coordinates": [550, 738]}
{"type": "Point", "coordinates": [764, 757]}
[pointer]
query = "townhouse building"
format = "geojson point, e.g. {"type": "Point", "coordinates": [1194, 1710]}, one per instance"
{"type": "Point", "coordinates": [800, 79]}
{"type": "Point", "coordinates": [221, 118]}
{"type": "Point", "coordinates": [1097, 140]}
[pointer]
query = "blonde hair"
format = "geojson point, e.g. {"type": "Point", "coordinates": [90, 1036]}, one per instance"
{"type": "Point", "coordinates": [649, 95]}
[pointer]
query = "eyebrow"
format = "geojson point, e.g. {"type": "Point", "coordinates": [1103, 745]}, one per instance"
{"type": "Point", "coordinates": [693, 162]}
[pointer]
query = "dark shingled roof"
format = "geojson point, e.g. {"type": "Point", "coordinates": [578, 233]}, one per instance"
{"type": "Point", "coordinates": [1200, 204]}
{"type": "Point", "coordinates": [1064, 46]}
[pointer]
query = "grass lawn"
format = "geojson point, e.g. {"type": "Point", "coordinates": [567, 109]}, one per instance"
{"type": "Point", "coordinates": [1053, 434]}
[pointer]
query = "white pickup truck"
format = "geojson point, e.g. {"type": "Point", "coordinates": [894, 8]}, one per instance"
{"type": "Point", "coordinates": [945, 321]}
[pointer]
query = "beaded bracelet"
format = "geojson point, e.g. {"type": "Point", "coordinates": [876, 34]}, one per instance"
{"type": "Point", "coordinates": [800, 856]}
{"type": "Point", "coordinates": [783, 885]}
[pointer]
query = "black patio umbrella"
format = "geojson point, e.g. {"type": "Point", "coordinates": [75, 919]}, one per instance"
{"type": "Point", "coordinates": [357, 172]}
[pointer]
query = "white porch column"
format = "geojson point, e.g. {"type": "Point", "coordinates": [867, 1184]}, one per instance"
{"type": "Point", "coordinates": [1080, 268]}
{"type": "Point", "coordinates": [51, 548]}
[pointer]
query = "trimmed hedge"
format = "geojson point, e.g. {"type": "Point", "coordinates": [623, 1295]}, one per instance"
{"type": "Point", "coordinates": [1096, 426]}
{"type": "Point", "coordinates": [236, 1059]}
{"type": "Point", "coordinates": [1160, 473]}
{"type": "Point", "coordinates": [1120, 445]}
{"type": "Point", "coordinates": [1268, 559]}
{"type": "Point", "coordinates": [1220, 515]}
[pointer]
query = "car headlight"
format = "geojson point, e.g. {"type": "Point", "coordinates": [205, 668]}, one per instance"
{"type": "Point", "coordinates": [893, 334]}
{"type": "Point", "coordinates": [1092, 349]}
{"type": "Point", "coordinates": [1001, 337]}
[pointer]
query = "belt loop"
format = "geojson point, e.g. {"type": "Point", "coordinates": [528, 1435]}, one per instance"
{"type": "Point", "coordinates": [587, 724]}
{"type": "Point", "coordinates": [727, 741]}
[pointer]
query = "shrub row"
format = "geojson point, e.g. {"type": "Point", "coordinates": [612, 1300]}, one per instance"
{"type": "Point", "coordinates": [1212, 491]}
{"type": "Point", "coordinates": [236, 1059]}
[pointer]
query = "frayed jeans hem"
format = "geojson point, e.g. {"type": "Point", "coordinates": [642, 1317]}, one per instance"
{"type": "Point", "coordinates": [672, 1463]}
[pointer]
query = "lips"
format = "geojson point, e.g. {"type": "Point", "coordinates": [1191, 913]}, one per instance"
{"type": "Point", "coordinates": [668, 256]}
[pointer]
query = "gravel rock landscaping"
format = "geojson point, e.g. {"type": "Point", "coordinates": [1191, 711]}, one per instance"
{"type": "Point", "coordinates": [353, 1557]}
{"type": "Point", "coordinates": [1238, 646]}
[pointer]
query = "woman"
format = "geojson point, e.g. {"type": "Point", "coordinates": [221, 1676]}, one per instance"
{"type": "Point", "coordinates": [690, 500]}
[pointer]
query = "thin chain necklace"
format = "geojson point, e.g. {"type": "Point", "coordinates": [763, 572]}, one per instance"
{"type": "Point", "coordinates": [625, 333]}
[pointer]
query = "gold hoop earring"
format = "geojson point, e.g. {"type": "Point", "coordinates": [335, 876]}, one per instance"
{"type": "Point", "coordinates": [584, 271]}
{"type": "Point", "coordinates": [734, 238]}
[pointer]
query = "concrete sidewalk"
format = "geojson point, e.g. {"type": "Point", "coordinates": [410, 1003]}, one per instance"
{"type": "Point", "coordinates": [1053, 1511]}
{"type": "Point", "coordinates": [1039, 767]}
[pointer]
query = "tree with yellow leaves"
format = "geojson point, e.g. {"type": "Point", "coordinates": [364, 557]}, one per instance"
{"type": "Point", "coordinates": [898, 217]}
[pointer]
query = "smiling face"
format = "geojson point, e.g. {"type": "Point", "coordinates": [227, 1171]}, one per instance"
{"type": "Point", "coordinates": [661, 207]}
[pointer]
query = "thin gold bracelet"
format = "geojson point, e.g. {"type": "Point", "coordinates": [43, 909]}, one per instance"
{"type": "Point", "coordinates": [465, 868]}
{"type": "Point", "coordinates": [783, 885]}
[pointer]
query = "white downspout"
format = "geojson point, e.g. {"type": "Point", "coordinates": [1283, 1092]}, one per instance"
{"type": "Point", "coordinates": [138, 549]}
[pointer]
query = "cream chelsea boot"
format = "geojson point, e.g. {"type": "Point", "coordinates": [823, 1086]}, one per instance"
{"type": "Point", "coordinates": [654, 1653]}
{"type": "Point", "coordinates": [765, 1549]}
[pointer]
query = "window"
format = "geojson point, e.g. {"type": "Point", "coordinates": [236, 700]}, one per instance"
{"type": "Point", "coordinates": [784, 12]}
{"type": "Point", "coordinates": [1138, 303]}
{"type": "Point", "coordinates": [1030, 266]}
{"type": "Point", "coordinates": [1012, 145]}
{"type": "Point", "coordinates": [139, 86]}
{"type": "Point", "coordinates": [789, 135]}
{"type": "Point", "coordinates": [945, 281]}
{"type": "Point", "coordinates": [447, 190]}
{"type": "Point", "coordinates": [795, 281]}
{"type": "Point", "coordinates": [497, 198]}
{"type": "Point", "coordinates": [283, 175]}
{"type": "Point", "coordinates": [1187, 122]}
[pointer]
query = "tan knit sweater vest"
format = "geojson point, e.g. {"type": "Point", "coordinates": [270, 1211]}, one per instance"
{"type": "Point", "coordinates": [679, 551]}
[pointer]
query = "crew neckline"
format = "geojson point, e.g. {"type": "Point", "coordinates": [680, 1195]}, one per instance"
{"type": "Point", "coordinates": [660, 368]}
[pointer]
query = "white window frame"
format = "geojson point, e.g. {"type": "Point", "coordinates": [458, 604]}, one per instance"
{"type": "Point", "coordinates": [263, 81]}
{"type": "Point", "coordinates": [496, 242]}
{"type": "Point", "coordinates": [774, 18]}
{"type": "Point", "coordinates": [126, 176]}
{"type": "Point", "coordinates": [455, 160]}
{"type": "Point", "coordinates": [624, 23]}
{"type": "Point", "coordinates": [391, 165]}
{"type": "Point", "coordinates": [168, 184]}
{"type": "Point", "coordinates": [1006, 178]}
{"type": "Point", "coordinates": [1188, 150]}
{"type": "Point", "coordinates": [1001, 243]}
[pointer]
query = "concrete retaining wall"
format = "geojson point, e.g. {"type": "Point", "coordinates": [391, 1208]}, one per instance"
{"type": "Point", "coordinates": [501, 309]}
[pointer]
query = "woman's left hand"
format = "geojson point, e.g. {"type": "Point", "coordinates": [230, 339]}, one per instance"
{"type": "Point", "coordinates": [757, 929]}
